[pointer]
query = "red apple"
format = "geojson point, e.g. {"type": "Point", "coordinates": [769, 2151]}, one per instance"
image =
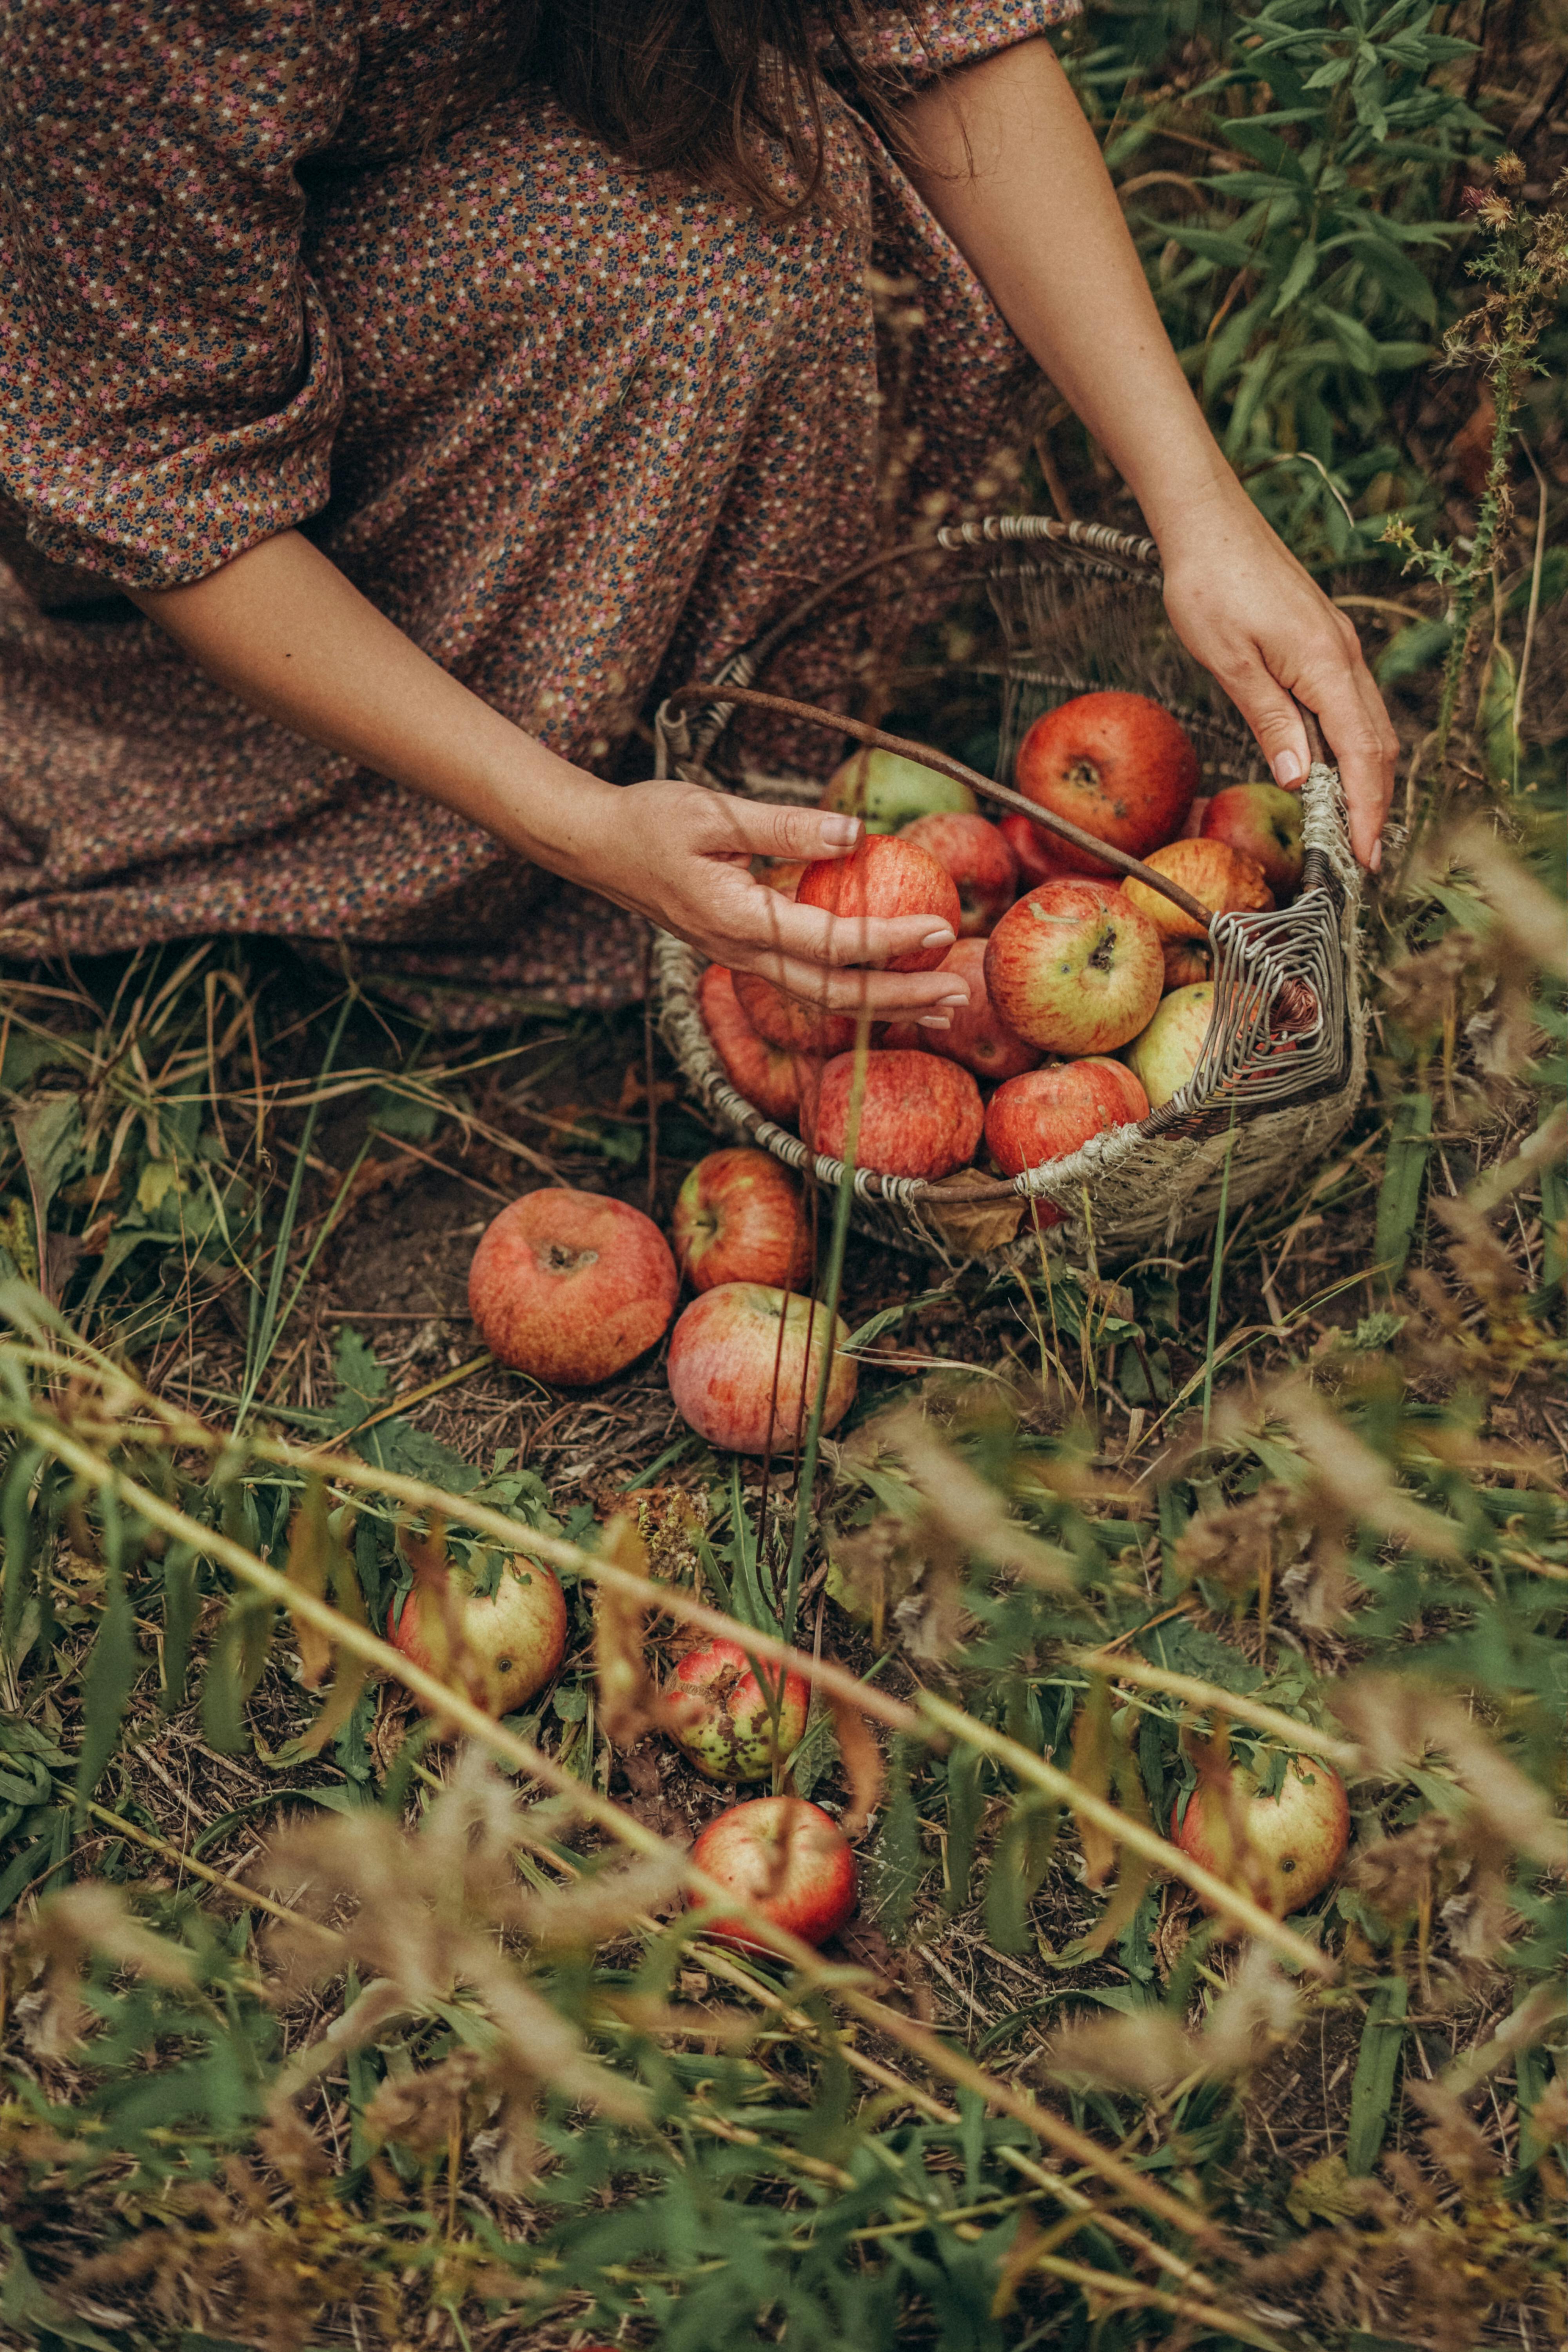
{"type": "Point", "coordinates": [1134, 1100]}
{"type": "Point", "coordinates": [570, 1286]}
{"type": "Point", "coordinates": [500, 1647]}
{"type": "Point", "coordinates": [918, 1116]}
{"type": "Point", "coordinates": [1188, 962]}
{"type": "Point", "coordinates": [1117, 765]}
{"type": "Point", "coordinates": [1264, 823]}
{"type": "Point", "coordinates": [744, 1383]}
{"type": "Point", "coordinates": [887, 791]}
{"type": "Point", "coordinates": [1281, 1850]}
{"type": "Point", "coordinates": [740, 1217]}
{"type": "Point", "coordinates": [724, 1720]}
{"type": "Point", "coordinates": [1163, 1056]}
{"type": "Point", "coordinates": [762, 1072]}
{"type": "Point", "coordinates": [1074, 967]}
{"type": "Point", "coordinates": [888, 875]}
{"type": "Point", "coordinates": [790, 1858]}
{"type": "Point", "coordinates": [976, 853]}
{"type": "Point", "coordinates": [785, 1022]}
{"type": "Point", "coordinates": [1031, 845]}
{"type": "Point", "coordinates": [1049, 1114]}
{"type": "Point", "coordinates": [1225, 879]}
{"type": "Point", "coordinates": [975, 1037]}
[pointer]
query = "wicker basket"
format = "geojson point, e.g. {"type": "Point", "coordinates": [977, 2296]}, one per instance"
{"type": "Point", "coordinates": [1283, 1065]}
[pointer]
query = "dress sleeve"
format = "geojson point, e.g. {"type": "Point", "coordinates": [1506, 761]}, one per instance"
{"type": "Point", "coordinates": [922, 39]}
{"type": "Point", "coordinates": [169, 386]}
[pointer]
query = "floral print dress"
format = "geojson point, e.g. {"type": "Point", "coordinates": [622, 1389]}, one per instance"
{"type": "Point", "coordinates": [581, 432]}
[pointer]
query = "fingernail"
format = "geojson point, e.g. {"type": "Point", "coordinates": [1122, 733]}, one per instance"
{"type": "Point", "coordinates": [841, 831]}
{"type": "Point", "coordinates": [932, 1021]}
{"type": "Point", "coordinates": [1375, 860]}
{"type": "Point", "coordinates": [959, 1003]}
{"type": "Point", "coordinates": [943, 938]}
{"type": "Point", "coordinates": [1287, 768]}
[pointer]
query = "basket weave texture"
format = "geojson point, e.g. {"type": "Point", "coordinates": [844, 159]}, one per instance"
{"type": "Point", "coordinates": [1284, 1063]}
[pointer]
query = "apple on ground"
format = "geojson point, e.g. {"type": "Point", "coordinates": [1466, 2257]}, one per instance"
{"type": "Point", "coordinates": [1188, 962]}
{"type": "Point", "coordinates": [570, 1286]}
{"type": "Point", "coordinates": [975, 1035]}
{"type": "Point", "coordinates": [978, 857]}
{"type": "Point", "coordinates": [1163, 1056]}
{"type": "Point", "coordinates": [1074, 967]}
{"type": "Point", "coordinates": [765, 1075]}
{"type": "Point", "coordinates": [740, 1372]}
{"type": "Point", "coordinates": [790, 1858]}
{"type": "Point", "coordinates": [918, 1116]}
{"type": "Point", "coordinates": [1225, 880]}
{"type": "Point", "coordinates": [723, 1720]}
{"type": "Point", "coordinates": [1264, 823]}
{"type": "Point", "coordinates": [886, 790]}
{"type": "Point", "coordinates": [788, 1025]}
{"type": "Point", "coordinates": [1116, 765]}
{"type": "Point", "coordinates": [499, 1647]}
{"type": "Point", "coordinates": [1049, 1114]}
{"type": "Point", "coordinates": [1281, 1850]}
{"type": "Point", "coordinates": [888, 875]}
{"type": "Point", "coordinates": [1031, 845]}
{"type": "Point", "coordinates": [740, 1217]}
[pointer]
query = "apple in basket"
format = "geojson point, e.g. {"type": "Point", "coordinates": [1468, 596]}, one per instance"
{"type": "Point", "coordinates": [888, 875]}
{"type": "Point", "coordinates": [980, 859]}
{"type": "Point", "coordinates": [740, 1217]}
{"type": "Point", "coordinates": [1117, 765]}
{"type": "Point", "coordinates": [887, 791]}
{"type": "Point", "coordinates": [1031, 845]}
{"type": "Point", "coordinates": [1263, 822]}
{"type": "Point", "coordinates": [918, 1116]}
{"type": "Point", "coordinates": [1074, 967]}
{"type": "Point", "coordinates": [1163, 1056]}
{"type": "Point", "coordinates": [741, 1372]}
{"type": "Point", "coordinates": [723, 1721]}
{"type": "Point", "coordinates": [1225, 880]}
{"type": "Point", "coordinates": [786, 1023]}
{"type": "Point", "coordinates": [570, 1286]}
{"type": "Point", "coordinates": [1281, 1850]}
{"type": "Point", "coordinates": [501, 1648]}
{"type": "Point", "coordinates": [1188, 962]}
{"type": "Point", "coordinates": [790, 1858]}
{"type": "Point", "coordinates": [1050, 1114]}
{"type": "Point", "coordinates": [976, 1037]}
{"type": "Point", "coordinates": [764, 1073]}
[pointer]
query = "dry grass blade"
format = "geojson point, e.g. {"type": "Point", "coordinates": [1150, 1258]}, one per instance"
{"type": "Point", "coordinates": [1341, 1753]}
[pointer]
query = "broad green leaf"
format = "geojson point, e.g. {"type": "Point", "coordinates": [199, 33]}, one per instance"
{"type": "Point", "coordinates": [1377, 2064]}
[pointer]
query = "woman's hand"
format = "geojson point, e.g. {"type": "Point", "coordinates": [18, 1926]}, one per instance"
{"type": "Point", "coordinates": [1239, 601]}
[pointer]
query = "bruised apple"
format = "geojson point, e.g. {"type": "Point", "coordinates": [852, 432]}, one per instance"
{"type": "Point", "coordinates": [886, 790]}
{"type": "Point", "coordinates": [1225, 880]}
{"type": "Point", "coordinates": [975, 1035]}
{"type": "Point", "coordinates": [1163, 1056]}
{"type": "Point", "coordinates": [1264, 823]}
{"type": "Point", "coordinates": [740, 1217]}
{"type": "Point", "coordinates": [1050, 1114]}
{"type": "Point", "coordinates": [723, 1720]}
{"type": "Point", "coordinates": [978, 857]}
{"type": "Point", "coordinates": [741, 1372]}
{"type": "Point", "coordinates": [501, 1648]}
{"type": "Point", "coordinates": [889, 875]}
{"type": "Point", "coordinates": [918, 1116]}
{"type": "Point", "coordinates": [764, 1073]}
{"type": "Point", "coordinates": [1116, 765]}
{"type": "Point", "coordinates": [570, 1286]}
{"type": "Point", "coordinates": [1281, 1850]}
{"type": "Point", "coordinates": [1074, 967]}
{"type": "Point", "coordinates": [789, 1858]}
{"type": "Point", "coordinates": [787, 1024]}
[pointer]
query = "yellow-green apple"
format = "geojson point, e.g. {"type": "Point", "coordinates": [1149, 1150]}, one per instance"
{"type": "Point", "coordinates": [1188, 962]}
{"type": "Point", "coordinates": [1117, 765]}
{"type": "Point", "coordinates": [1265, 824]}
{"type": "Point", "coordinates": [886, 876]}
{"type": "Point", "coordinates": [570, 1286]}
{"type": "Point", "coordinates": [786, 1023]}
{"type": "Point", "coordinates": [1049, 1114]}
{"type": "Point", "coordinates": [918, 1116]}
{"type": "Point", "coordinates": [723, 1719]}
{"type": "Point", "coordinates": [885, 790]}
{"type": "Point", "coordinates": [740, 1217]}
{"type": "Point", "coordinates": [1225, 880]}
{"type": "Point", "coordinates": [500, 1647]}
{"type": "Point", "coordinates": [789, 1858]}
{"type": "Point", "coordinates": [980, 859]}
{"type": "Point", "coordinates": [740, 1372]}
{"type": "Point", "coordinates": [1281, 1850]}
{"type": "Point", "coordinates": [1074, 967]}
{"type": "Point", "coordinates": [1163, 1056]}
{"type": "Point", "coordinates": [975, 1035]}
{"type": "Point", "coordinates": [764, 1073]}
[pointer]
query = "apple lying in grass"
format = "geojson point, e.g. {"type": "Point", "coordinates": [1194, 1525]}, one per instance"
{"type": "Point", "coordinates": [570, 1286]}
{"type": "Point", "coordinates": [1031, 845]}
{"type": "Point", "coordinates": [790, 1858]}
{"type": "Point", "coordinates": [918, 1116]}
{"type": "Point", "coordinates": [739, 1370]}
{"type": "Point", "coordinates": [887, 876]}
{"type": "Point", "coordinates": [724, 1722]}
{"type": "Point", "coordinates": [764, 1073]}
{"type": "Point", "coordinates": [1117, 765]}
{"type": "Point", "coordinates": [976, 854]}
{"type": "Point", "coordinates": [1225, 880]}
{"type": "Point", "coordinates": [786, 1023]}
{"type": "Point", "coordinates": [740, 1217]}
{"type": "Point", "coordinates": [1049, 1114]}
{"type": "Point", "coordinates": [1264, 824]}
{"type": "Point", "coordinates": [500, 1647]}
{"type": "Point", "coordinates": [885, 791]}
{"type": "Point", "coordinates": [1281, 1850]}
{"type": "Point", "coordinates": [1163, 1056]}
{"type": "Point", "coordinates": [975, 1035]}
{"type": "Point", "coordinates": [1074, 967]}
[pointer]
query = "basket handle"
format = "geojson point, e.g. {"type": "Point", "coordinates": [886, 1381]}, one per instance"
{"type": "Point", "coordinates": [749, 699]}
